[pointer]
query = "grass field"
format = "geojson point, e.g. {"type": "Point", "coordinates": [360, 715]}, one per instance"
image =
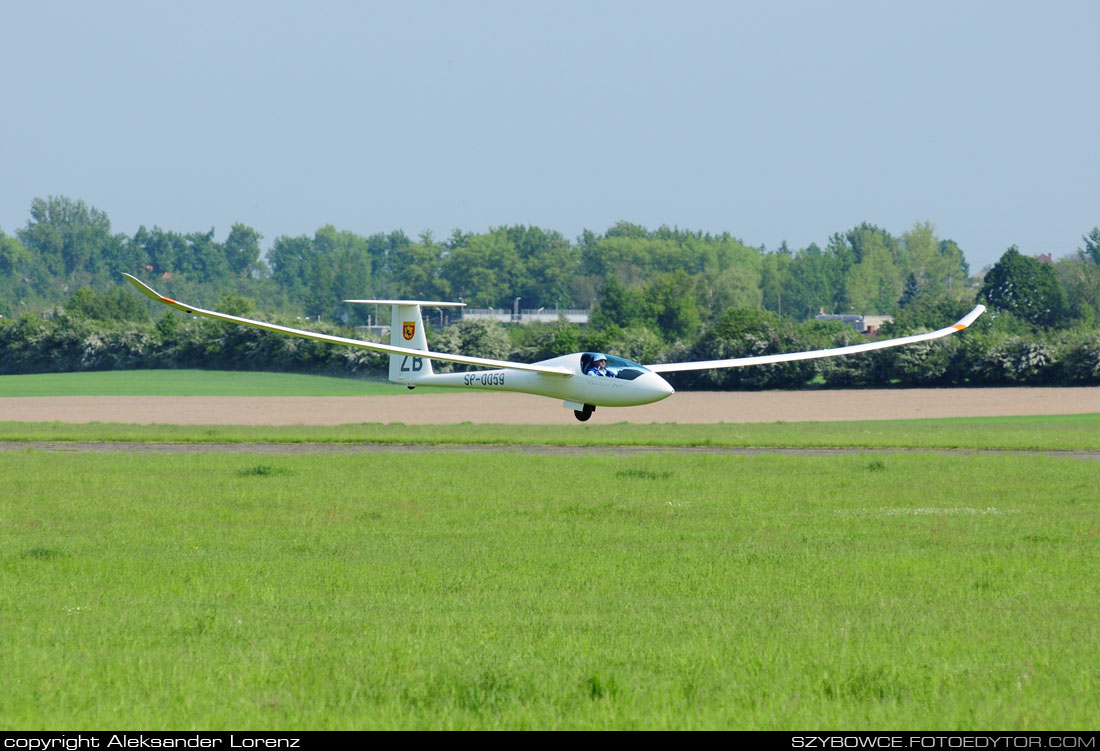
{"type": "Point", "coordinates": [499, 590]}
{"type": "Point", "coordinates": [1059, 432]}
{"type": "Point", "coordinates": [193, 383]}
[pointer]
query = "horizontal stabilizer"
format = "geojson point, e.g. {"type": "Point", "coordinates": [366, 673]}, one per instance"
{"type": "Point", "coordinates": [427, 303]}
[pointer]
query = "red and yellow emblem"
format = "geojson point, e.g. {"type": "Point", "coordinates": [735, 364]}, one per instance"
{"type": "Point", "coordinates": [408, 330]}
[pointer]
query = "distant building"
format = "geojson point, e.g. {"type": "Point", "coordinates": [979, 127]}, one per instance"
{"type": "Point", "coordinates": [374, 332]}
{"type": "Point", "coordinates": [866, 325]}
{"type": "Point", "coordinates": [871, 324]}
{"type": "Point", "coordinates": [542, 315]}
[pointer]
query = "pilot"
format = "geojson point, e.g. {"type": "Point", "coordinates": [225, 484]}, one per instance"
{"type": "Point", "coordinates": [599, 367]}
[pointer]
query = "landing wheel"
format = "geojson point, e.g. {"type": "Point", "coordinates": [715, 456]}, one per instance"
{"type": "Point", "coordinates": [584, 414]}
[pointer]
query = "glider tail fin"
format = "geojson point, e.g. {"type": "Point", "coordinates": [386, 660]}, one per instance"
{"type": "Point", "coordinates": [407, 330]}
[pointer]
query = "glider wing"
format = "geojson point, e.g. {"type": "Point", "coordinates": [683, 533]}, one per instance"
{"type": "Point", "coordinates": [740, 362]}
{"type": "Point", "coordinates": [387, 348]}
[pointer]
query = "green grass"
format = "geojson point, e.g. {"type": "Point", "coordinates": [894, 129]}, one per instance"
{"type": "Point", "coordinates": [501, 590]}
{"type": "Point", "coordinates": [1059, 432]}
{"type": "Point", "coordinates": [193, 383]}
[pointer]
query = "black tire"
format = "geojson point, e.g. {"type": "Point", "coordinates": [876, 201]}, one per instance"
{"type": "Point", "coordinates": [584, 414]}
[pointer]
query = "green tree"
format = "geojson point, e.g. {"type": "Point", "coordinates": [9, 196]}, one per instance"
{"type": "Point", "coordinates": [165, 252]}
{"type": "Point", "coordinates": [926, 313]}
{"type": "Point", "coordinates": [67, 234]}
{"type": "Point", "coordinates": [775, 279]}
{"type": "Point", "coordinates": [733, 287]}
{"type": "Point", "coordinates": [1092, 245]}
{"type": "Point", "coordinates": [236, 305]}
{"type": "Point", "coordinates": [204, 257]}
{"type": "Point", "coordinates": [242, 249]}
{"type": "Point", "coordinates": [669, 303]}
{"type": "Point", "coordinates": [629, 230]}
{"type": "Point", "coordinates": [117, 304]}
{"type": "Point", "coordinates": [910, 292]}
{"type": "Point", "coordinates": [416, 272]}
{"type": "Point", "coordinates": [816, 282]}
{"type": "Point", "coordinates": [289, 260]}
{"type": "Point", "coordinates": [874, 283]}
{"type": "Point", "coordinates": [475, 337]}
{"type": "Point", "coordinates": [548, 264]}
{"type": "Point", "coordinates": [1080, 277]}
{"type": "Point", "coordinates": [345, 258]}
{"type": "Point", "coordinates": [487, 272]}
{"type": "Point", "coordinates": [383, 249]}
{"type": "Point", "coordinates": [13, 256]}
{"type": "Point", "coordinates": [1025, 287]}
{"type": "Point", "coordinates": [617, 306]}
{"type": "Point", "coordinates": [937, 266]}
{"type": "Point", "coordinates": [747, 332]}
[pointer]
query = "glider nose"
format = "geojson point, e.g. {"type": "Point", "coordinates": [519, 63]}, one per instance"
{"type": "Point", "coordinates": [658, 387]}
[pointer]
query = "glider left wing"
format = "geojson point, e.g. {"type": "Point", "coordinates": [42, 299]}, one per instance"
{"type": "Point", "coordinates": [740, 362]}
{"type": "Point", "coordinates": [387, 348]}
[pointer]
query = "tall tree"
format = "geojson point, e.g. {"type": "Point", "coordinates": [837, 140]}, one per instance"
{"type": "Point", "coordinates": [487, 272]}
{"type": "Point", "coordinates": [775, 278]}
{"type": "Point", "coordinates": [242, 249]}
{"type": "Point", "coordinates": [289, 259]}
{"type": "Point", "coordinates": [206, 258]}
{"type": "Point", "coordinates": [816, 282]}
{"type": "Point", "coordinates": [347, 257]}
{"type": "Point", "coordinates": [617, 306]}
{"type": "Point", "coordinates": [874, 284]}
{"type": "Point", "coordinates": [911, 291]}
{"type": "Point", "coordinates": [1025, 287]}
{"type": "Point", "coordinates": [1092, 245]}
{"type": "Point", "coordinates": [937, 267]}
{"type": "Point", "coordinates": [669, 302]}
{"type": "Point", "coordinates": [67, 234]}
{"type": "Point", "coordinates": [12, 254]}
{"type": "Point", "coordinates": [416, 272]}
{"type": "Point", "coordinates": [548, 264]}
{"type": "Point", "coordinates": [1081, 278]}
{"type": "Point", "coordinates": [165, 252]}
{"type": "Point", "coordinates": [383, 248]}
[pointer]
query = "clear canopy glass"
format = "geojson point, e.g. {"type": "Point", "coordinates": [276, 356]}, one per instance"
{"type": "Point", "coordinates": [618, 367]}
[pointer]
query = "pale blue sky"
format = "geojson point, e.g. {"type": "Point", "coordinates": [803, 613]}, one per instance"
{"type": "Point", "coordinates": [772, 121]}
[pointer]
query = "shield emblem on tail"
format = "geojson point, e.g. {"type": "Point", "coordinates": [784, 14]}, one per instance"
{"type": "Point", "coordinates": [408, 330]}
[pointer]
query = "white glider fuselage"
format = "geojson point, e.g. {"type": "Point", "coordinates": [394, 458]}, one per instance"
{"type": "Point", "coordinates": [645, 388]}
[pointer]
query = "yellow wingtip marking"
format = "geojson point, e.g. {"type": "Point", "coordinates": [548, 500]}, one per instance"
{"type": "Point", "coordinates": [959, 327]}
{"type": "Point", "coordinates": [168, 300]}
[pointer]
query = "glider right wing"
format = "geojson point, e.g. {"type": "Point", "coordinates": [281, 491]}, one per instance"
{"type": "Point", "coordinates": [740, 362]}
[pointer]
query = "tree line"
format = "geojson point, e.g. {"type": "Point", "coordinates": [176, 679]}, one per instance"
{"type": "Point", "coordinates": [664, 294]}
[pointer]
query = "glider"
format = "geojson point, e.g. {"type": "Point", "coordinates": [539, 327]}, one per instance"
{"type": "Point", "coordinates": [572, 378]}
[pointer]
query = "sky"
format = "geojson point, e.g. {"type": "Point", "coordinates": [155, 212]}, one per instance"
{"type": "Point", "coordinates": [773, 121]}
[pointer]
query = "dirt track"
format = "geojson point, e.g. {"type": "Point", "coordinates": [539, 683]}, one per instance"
{"type": "Point", "coordinates": [688, 407]}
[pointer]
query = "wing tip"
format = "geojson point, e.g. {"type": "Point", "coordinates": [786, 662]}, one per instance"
{"type": "Point", "coordinates": [142, 287]}
{"type": "Point", "coordinates": [969, 318]}
{"type": "Point", "coordinates": [152, 294]}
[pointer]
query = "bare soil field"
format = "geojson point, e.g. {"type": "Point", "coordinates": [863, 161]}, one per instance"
{"type": "Point", "coordinates": [502, 408]}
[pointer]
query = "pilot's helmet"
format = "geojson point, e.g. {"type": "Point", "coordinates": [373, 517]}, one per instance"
{"type": "Point", "coordinates": [597, 357]}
